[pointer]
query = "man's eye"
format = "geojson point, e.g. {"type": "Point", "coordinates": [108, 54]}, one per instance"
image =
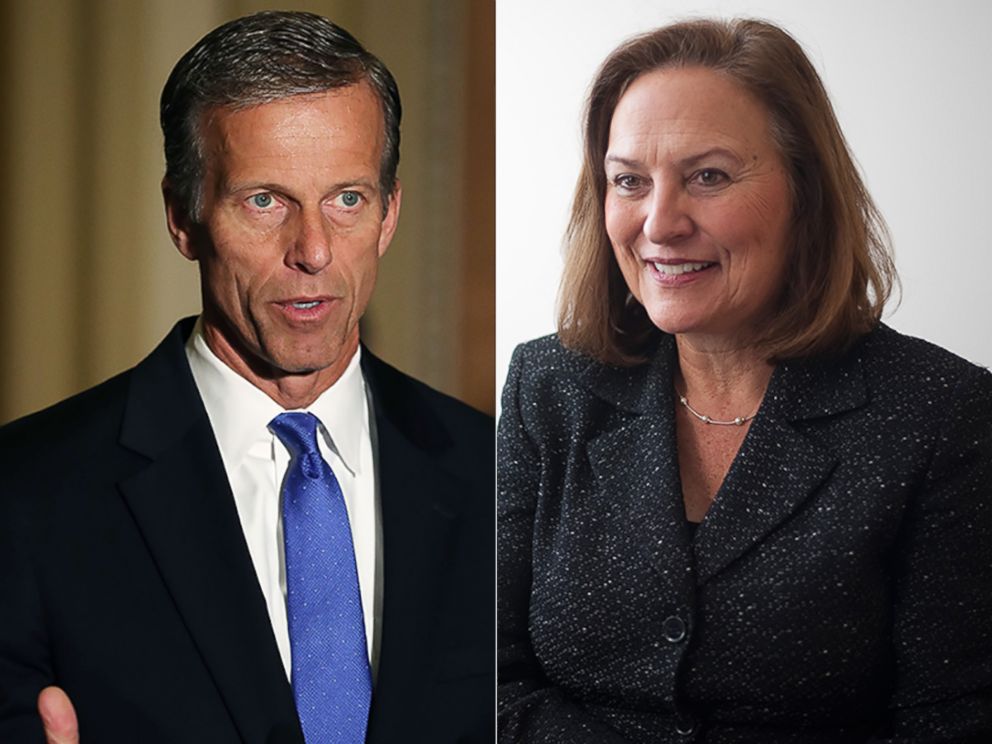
{"type": "Point", "coordinates": [349, 198]}
{"type": "Point", "coordinates": [262, 201]}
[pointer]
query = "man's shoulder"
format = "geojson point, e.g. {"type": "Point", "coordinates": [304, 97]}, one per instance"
{"type": "Point", "coordinates": [64, 452]}
{"type": "Point", "coordinates": [451, 434]}
{"type": "Point", "coordinates": [399, 395]}
{"type": "Point", "coordinates": [82, 419]}
{"type": "Point", "coordinates": [84, 426]}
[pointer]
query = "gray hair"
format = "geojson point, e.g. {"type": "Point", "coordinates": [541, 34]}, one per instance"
{"type": "Point", "coordinates": [258, 59]}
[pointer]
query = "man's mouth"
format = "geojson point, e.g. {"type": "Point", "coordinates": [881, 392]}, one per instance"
{"type": "Point", "coordinates": [306, 309]}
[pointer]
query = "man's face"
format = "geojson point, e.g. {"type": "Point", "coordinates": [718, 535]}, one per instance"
{"type": "Point", "coordinates": [291, 230]}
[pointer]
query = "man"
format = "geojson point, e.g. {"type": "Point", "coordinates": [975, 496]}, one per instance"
{"type": "Point", "coordinates": [260, 533]}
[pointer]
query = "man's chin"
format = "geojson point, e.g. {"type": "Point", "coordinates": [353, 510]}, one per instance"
{"type": "Point", "coordinates": [334, 355]}
{"type": "Point", "coordinates": [279, 355]}
{"type": "Point", "coordinates": [299, 370]}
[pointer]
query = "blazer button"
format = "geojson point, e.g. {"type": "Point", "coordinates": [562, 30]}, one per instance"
{"type": "Point", "coordinates": [673, 629]}
{"type": "Point", "coordinates": [685, 726]}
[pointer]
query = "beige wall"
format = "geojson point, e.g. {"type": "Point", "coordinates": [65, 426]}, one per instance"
{"type": "Point", "coordinates": [89, 280]}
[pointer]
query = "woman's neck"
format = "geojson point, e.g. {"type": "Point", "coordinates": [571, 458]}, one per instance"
{"type": "Point", "coordinates": [721, 380]}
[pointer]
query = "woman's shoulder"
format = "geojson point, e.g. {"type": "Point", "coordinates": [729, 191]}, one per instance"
{"type": "Point", "coordinates": [924, 382]}
{"type": "Point", "coordinates": [547, 358]}
{"type": "Point", "coordinates": [887, 352]}
{"type": "Point", "coordinates": [556, 387]}
{"type": "Point", "coordinates": [547, 350]}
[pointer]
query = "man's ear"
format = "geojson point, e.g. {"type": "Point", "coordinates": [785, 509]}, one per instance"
{"type": "Point", "coordinates": [180, 223]}
{"type": "Point", "coordinates": [390, 219]}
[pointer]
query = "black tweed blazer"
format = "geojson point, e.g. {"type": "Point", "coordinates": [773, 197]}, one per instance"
{"type": "Point", "coordinates": [839, 589]}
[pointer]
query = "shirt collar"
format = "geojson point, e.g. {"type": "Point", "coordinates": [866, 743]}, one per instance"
{"type": "Point", "coordinates": [240, 413]}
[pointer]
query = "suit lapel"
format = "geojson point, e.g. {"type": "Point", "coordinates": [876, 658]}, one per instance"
{"type": "Point", "coordinates": [183, 506]}
{"type": "Point", "coordinates": [419, 506]}
{"type": "Point", "coordinates": [778, 466]}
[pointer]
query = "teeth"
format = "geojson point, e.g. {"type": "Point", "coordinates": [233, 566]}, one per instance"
{"type": "Point", "coordinates": [306, 305]}
{"type": "Point", "coordinates": [676, 269]}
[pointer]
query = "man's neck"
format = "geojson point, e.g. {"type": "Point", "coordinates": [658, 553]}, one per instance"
{"type": "Point", "coordinates": [291, 390]}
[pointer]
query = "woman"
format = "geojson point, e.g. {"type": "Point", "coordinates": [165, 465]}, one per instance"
{"type": "Point", "coordinates": [734, 507]}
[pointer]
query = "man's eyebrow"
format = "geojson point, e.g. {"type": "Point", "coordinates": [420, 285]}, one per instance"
{"type": "Point", "coordinates": [250, 185]}
{"type": "Point", "coordinates": [237, 188]}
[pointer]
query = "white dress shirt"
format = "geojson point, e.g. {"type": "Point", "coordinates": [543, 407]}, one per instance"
{"type": "Point", "coordinates": [256, 462]}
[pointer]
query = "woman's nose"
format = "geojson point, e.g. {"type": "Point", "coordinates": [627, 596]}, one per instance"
{"type": "Point", "coordinates": [667, 219]}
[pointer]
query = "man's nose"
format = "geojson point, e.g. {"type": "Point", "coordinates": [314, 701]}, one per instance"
{"type": "Point", "coordinates": [667, 219]}
{"type": "Point", "coordinates": [311, 248]}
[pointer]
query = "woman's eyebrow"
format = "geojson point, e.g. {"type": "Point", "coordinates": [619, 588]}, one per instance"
{"type": "Point", "coordinates": [685, 162]}
{"type": "Point", "coordinates": [626, 162]}
{"type": "Point", "coordinates": [712, 152]}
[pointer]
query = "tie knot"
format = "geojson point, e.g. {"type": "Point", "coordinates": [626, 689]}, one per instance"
{"type": "Point", "coordinates": [298, 431]}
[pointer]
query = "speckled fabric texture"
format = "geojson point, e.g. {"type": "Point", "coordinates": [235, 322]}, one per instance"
{"type": "Point", "coordinates": [839, 589]}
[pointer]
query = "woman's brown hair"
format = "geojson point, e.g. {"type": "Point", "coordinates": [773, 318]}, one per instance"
{"type": "Point", "coordinates": [840, 272]}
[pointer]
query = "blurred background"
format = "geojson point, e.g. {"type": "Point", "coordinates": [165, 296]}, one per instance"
{"type": "Point", "coordinates": [89, 280]}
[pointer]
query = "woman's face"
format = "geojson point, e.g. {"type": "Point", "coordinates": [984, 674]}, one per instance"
{"type": "Point", "coordinates": [697, 204]}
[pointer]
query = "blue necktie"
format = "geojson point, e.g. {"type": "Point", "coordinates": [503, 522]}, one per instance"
{"type": "Point", "coordinates": [331, 679]}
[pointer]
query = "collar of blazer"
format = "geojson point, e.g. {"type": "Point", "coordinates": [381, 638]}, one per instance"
{"type": "Point", "coordinates": [181, 502]}
{"type": "Point", "coordinates": [797, 391]}
{"type": "Point", "coordinates": [776, 470]}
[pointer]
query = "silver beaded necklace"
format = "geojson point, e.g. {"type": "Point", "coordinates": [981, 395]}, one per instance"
{"type": "Point", "coordinates": [739, 421]}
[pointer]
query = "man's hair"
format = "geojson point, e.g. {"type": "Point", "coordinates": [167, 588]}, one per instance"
{"type": "Point", "coordinates": [839, 271]}
{"type": "Point", "coordinates": [259, 59]}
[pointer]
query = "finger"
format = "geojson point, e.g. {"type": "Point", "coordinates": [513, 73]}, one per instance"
{"type": "Point", "coordinates": [58, 716]}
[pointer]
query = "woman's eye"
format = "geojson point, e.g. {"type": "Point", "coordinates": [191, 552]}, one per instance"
{"type": "Point", "coordinates": [626, 182]}
{"type": "Point", "coordinates": [262, 201]}
{"type": "Point", "coordinates": [710, 177]}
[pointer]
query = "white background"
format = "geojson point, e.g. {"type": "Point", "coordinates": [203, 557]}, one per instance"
{"type": "Point", "coordinates": [911, 83]}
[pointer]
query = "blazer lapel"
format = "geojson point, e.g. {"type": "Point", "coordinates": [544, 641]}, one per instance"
{"type": "Point", "coordinates": [636, 461]}
{"type": "Point", "coordinates": [183, 506]}
{"type": "Point", "coordinates": [778, 466]}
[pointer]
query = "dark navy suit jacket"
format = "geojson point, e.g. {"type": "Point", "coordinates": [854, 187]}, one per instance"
{"type": "Point", "coordinates": [125, 577]}
{"type": "Point", "coordinates": [838, 590]}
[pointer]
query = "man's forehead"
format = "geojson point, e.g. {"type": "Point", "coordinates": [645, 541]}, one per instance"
{"type": "Point", "coordinates": [298, 143]}
{"type": "Point", "coordinates": [339, 117]}
{"type": "Point", "coordinates": [360, 91]}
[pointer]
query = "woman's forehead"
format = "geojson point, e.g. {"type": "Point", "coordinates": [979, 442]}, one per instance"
{"type": "Point", "coordinates": [679, 111]}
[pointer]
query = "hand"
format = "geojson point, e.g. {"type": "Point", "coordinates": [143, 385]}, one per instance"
{"type": "Point", "coordinates": [58, 716]}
